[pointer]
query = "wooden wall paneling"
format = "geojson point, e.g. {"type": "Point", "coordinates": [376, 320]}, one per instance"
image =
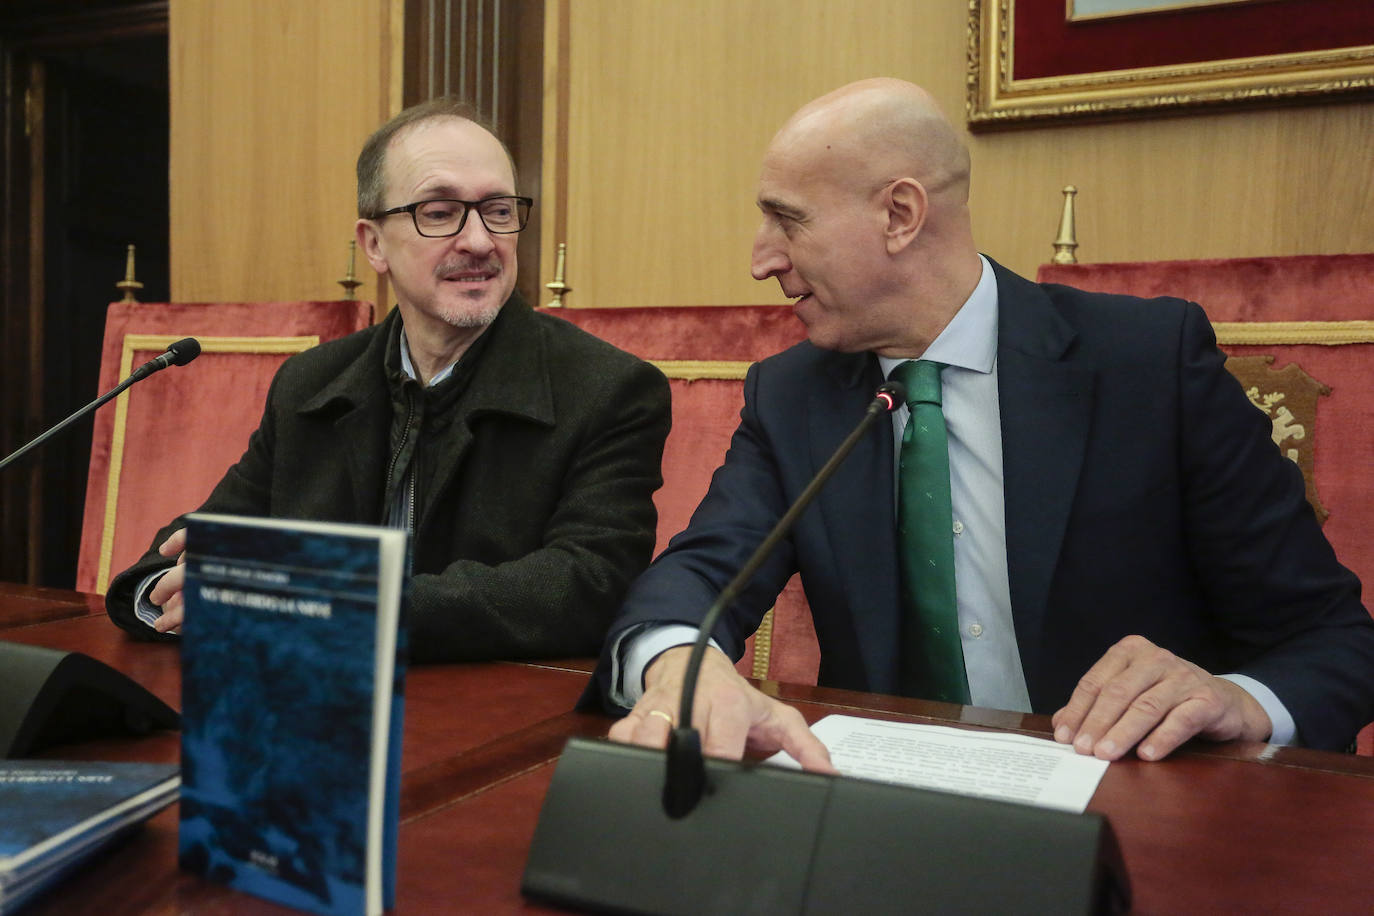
{"type": "Point", "coordinates": [270, 103]}
{"type": "Point", "coordinates": [670, 108]}
{"type": "Point", "coordinates": [670, 105]}
{"type": "Point", "coordinates": [1272, 182]}
{"type": "Point", "coordinates": [552, 215]}
{"type": "Point", "coordinates": [489, 53]}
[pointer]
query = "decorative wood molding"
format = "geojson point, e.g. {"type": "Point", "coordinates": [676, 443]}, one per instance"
{"type": "Point", "coordinates": [693, 369]}
{"type": "Point", "coordinates": [998, 96]}
{"type": "Point", "coordinates": [1290, 333]}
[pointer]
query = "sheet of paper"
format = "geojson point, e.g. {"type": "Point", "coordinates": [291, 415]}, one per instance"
{"type": "Point", "coordinates": [1016, 768]}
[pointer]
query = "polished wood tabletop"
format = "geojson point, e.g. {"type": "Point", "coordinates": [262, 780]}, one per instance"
{"type": "Point", "coordinates": [1240, 827]}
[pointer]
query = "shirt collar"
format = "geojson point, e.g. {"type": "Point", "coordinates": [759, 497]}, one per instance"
{"type": "Point", "coordinates": [409, 369]}
{"type": "Point", "coordinates": [969, 341]}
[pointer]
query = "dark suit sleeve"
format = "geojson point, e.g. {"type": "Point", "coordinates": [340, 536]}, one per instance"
{"type": "Point", "coordinates": [744, 501]}
{"type": "Point", "coordinates": [1289, 613]}
{"type": "Point", "coordinates": [558, 600]}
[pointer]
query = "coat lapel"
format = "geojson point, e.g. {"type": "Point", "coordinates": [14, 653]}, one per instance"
{"type": "Point", "coordinates": [857, 510]}
{"type": "Point", "coordinates": [1046, 406]}
{"type": "Point", "coordinates": [357, 398]}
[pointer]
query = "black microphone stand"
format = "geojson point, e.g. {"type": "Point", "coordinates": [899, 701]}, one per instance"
{"type": "Point", "coordinates": [686, 768]}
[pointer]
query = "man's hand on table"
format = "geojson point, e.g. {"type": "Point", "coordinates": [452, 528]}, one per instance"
{"type": "Point", "coordinates": [167, 591]}
{"type": "Point", "coordinates": [730, 715]}
{"type": "Point", "coordinates": [1140, 695]}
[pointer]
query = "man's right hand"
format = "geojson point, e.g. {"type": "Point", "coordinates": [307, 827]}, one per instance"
{"type": "Point", "coordinates": [730, 714]}
{"type": "Point", "coordinates": [167, 591]}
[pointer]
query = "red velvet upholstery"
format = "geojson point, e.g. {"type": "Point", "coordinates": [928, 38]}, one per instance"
{"type": "Point", "coordinates": [705, 351]}
{"type": "Point", "coordinates": [160, 448]}
{"type": "Point", "coordinates": [1327, 298]}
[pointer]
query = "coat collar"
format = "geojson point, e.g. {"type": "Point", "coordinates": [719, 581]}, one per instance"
{"type": "Point", "coordinates": [513, 377]}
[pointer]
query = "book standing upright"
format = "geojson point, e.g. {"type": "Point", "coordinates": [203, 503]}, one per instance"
{"type": "Point", "coordinates": [291, 707]}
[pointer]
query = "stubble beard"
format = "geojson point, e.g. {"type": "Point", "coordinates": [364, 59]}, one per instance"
{"type": "Point", "coordinates": [471, 318]}
{"type": "Point", "coordinates": [462, 314]}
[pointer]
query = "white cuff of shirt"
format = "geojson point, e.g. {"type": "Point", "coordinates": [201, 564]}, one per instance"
{"type": "Point", "coordinates": [144, 609]}
{"type": "Point", "coordinates": [1285, 730]}
{"type": "Point", "coordinates": [636, 648]}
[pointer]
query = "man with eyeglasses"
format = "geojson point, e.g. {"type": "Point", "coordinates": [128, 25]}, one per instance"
{"type": "Point", "coordinates": [520, 452]}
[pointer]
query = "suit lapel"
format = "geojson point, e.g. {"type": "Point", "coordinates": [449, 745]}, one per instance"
{"type": "Point", "coordinates": [857, 510]}
{"type": "Point", "coordinates": [1046, 405]}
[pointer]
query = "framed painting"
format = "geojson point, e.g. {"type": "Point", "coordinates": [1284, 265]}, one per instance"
{"type": "Point", "coordinates": [1038, 61]}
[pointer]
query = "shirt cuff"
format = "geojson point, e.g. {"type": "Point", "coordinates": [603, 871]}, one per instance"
{"type": "Point", "coordinates": [1285, 731]}
{"type": "Point", "coordinates": [144, 609]}
{"type": "Point", "coordinates": [635, 650]}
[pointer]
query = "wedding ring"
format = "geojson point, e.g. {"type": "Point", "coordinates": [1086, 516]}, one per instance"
{"type": "Point", "coordinates": [665, 716]}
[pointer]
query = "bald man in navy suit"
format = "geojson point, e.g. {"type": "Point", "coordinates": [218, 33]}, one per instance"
{"type": "Point", "coordinates": [1132, 553]}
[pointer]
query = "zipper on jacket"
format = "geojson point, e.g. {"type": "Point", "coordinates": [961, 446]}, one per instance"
{"type": "Point", "coordinates": [410, 499]}
{"type": "Point", "coordinates": [409, 482]}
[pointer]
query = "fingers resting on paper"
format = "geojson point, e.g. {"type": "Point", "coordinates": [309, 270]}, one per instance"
{"type": "Point", "coordinates": [728, 712]}
{"type": "Point", "coordinates": [1139, 695]}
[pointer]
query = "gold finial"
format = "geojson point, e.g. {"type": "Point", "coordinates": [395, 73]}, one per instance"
{"type": "Point", "coordinates": [350, 282]}
{"type": "Point", "coordinates": [129, 284]}
{"type": "Point", "coordinates": [1067, 241]}
{"type": "Point", "coordinates": [556, 285]}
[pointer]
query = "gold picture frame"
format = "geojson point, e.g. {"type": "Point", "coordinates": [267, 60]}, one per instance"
{"type": "Point", "coordinates": [1000, 95]}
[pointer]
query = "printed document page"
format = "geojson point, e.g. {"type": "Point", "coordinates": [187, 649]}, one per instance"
{"type": "Point", "coordinates": [1035, 771]}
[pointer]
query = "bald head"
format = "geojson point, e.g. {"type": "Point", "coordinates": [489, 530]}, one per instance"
{"type": "Point", "coordinates": [864, 194]}
{"type": "Point", "coordinates": [876, 130]}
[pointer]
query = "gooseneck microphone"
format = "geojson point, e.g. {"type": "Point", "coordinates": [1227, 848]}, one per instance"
{"type": "Point", "coordinates": [686, 770]}
{"type": "Point", "coordinates": [177, 354]}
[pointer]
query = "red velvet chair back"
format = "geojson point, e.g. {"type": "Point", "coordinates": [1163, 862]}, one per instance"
{"type": "Point", "coordinates": [1309, 318]}
{"type": "Point", "coordinates": [160, 448]}
{"type": "Point", "coordinates": [705, 352]}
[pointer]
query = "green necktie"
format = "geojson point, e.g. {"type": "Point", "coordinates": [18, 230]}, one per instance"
{"type": "Point", "coordinates": [932, 657]}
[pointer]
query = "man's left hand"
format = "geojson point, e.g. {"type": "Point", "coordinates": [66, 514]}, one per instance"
{"type": "Point", "coordinates": [1140, 695]}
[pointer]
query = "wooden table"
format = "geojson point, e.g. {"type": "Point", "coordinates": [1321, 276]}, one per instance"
{"type": "Point", "coordinates": [1216, 828]}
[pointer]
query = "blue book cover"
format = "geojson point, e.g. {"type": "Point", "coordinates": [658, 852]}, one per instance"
{"type": "Point", "coordinates": [54, 814]}
{"type": "Point", "coordinates": [291, 709]}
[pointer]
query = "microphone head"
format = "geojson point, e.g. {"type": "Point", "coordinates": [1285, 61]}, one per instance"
{"type": "Point", "coordinates": [891, 393]}
{"type": "Point", "coordinates": [184, 350]}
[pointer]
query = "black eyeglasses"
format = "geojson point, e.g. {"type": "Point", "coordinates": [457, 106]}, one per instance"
{"type": "Point", "coordinates": [437, 219]}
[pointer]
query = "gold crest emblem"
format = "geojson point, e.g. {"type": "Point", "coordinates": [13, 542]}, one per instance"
{"type": "Point", "coordinates": [1288, 396]}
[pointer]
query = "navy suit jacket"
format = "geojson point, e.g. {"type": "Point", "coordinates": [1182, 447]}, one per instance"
{"type": "Point", "coordinates": [1143, 495]}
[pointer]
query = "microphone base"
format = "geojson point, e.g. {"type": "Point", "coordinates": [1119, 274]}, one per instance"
{"type": "Point", "coordinates": [50, 697]}
{"type": "Point", "coordinates": [769, 840]}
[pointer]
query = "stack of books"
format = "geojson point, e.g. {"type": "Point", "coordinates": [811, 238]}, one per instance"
{"type": "Point", "coordinates": [54, 815]}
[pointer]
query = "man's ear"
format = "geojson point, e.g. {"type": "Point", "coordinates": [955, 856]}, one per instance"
{"type": "Point", "coordinates": [907, 206]}
{"type": "Point", "coordinates": [369, 236]}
